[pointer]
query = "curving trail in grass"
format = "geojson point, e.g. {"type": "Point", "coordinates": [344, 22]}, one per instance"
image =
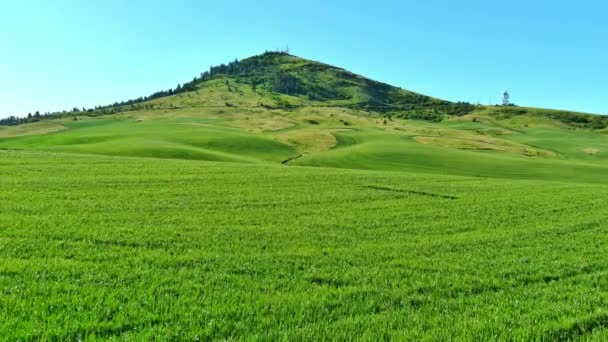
{"type": "Point", "coordinates": [287, 161]}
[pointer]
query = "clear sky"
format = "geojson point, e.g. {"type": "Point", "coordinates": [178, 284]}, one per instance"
{"type": "Point", "coordinates": [59, 54]}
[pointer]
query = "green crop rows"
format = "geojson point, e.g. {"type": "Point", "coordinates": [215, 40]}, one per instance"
{"type": "Point", "coordinates": [137, 248]}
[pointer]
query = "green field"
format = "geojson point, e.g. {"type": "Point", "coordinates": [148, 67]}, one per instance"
{"type": "Point", "coordinates": [484, 148]}
{"type": "Point", "coordinates": [117, 247]}
{"type": "Point", "coordinates": [337, 209]}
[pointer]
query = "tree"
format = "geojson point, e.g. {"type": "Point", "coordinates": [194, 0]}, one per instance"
{"type": "Point", "coordinates": [285, 83]}
{"type": "Point", "coordinates": [597, 122]}
{"type": "Point", "coordinates": [505, 98]}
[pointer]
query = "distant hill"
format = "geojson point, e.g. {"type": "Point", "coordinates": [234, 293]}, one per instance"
{"type": "Point", "coordinates": [281, 80]}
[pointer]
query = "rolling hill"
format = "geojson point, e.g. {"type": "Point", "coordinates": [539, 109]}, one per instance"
{"type": "Point", "coordinates": [278, 108]}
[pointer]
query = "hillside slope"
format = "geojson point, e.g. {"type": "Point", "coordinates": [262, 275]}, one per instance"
{"type": "Point", "coordinates": [278, 108]}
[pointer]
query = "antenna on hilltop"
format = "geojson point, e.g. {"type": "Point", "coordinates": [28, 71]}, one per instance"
{"type": "Point", "coordinates": [284, 50]}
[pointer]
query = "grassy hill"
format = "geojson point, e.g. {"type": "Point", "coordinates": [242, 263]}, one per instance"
{"type": "Point", "coordinates": [278, 108]}
{"type": "Point", "coordinates": [280, 198]}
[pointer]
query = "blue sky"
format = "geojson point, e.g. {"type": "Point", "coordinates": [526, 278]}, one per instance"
{"type": "Point", "coordinates": [60, 54]}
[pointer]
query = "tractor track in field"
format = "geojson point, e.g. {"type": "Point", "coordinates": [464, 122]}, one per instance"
{"type": "Point", "coordinates": [411, 192]}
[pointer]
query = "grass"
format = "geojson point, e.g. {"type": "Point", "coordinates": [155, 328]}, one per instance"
{"type": "Point", "coordinates": [154, 138]}
{"type": "Point", "coordinates": [377, 150]}
{"type": "Point", "coordinates": [177, 220]}
{"type": "Point", "coordinates": [30, 129]}
{"type": "Point", "coordinates": [331, 137]}
{"type": "Point", "coordinates": [132, 248]}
